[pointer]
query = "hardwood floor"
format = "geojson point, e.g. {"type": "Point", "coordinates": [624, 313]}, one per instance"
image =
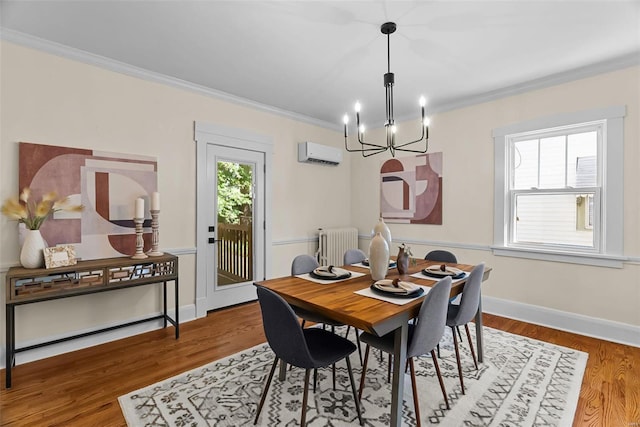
{"type": "Point", "coordinates": [82, 388]}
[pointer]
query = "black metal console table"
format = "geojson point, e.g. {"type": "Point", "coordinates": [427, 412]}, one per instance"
{"type": "Point", "coordinates": [31, 285]}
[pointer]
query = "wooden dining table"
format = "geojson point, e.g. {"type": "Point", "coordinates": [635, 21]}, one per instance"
{"type": "Point", "coordinates": [338, 300]}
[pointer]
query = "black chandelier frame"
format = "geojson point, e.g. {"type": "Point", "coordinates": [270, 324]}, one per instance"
{"type": "Point", "coordinates": [369, 149]}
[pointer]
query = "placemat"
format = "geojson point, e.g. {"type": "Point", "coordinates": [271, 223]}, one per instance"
{"type": "Point", "coordinates": [366, 292]}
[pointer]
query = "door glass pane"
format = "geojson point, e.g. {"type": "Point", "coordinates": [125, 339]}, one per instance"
{"type": "Point", "coordinates": [235, 223]}
{"type": "Point", "coordinates": [563, 219]}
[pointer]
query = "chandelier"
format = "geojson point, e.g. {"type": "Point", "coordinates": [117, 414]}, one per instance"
{"type": "Point", "coordinates": [369, 149]}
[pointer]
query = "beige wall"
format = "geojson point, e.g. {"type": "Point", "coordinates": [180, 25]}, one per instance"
{"type": "Point", "coordinates": [465, 138]}
{"type": "Point", "coordinates": [52, 100]}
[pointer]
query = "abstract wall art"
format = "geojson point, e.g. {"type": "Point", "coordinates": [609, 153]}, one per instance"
{"type": "Point", "coordinates": [107, 184]}
{"type": "Point", "coordinates": [411, 189]}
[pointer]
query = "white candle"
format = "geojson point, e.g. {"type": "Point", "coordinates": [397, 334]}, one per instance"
{"type": "Point", "coordinates": [139, 208]}
{"type": "Point", "coordinates": [155, 201]}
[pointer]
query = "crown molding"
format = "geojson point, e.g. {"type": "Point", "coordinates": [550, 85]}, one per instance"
{"type": "Point", "coordinates": [623, 61]}
{"type": "Point", "coordinates": [64, 51]}
{"type": "Point", "coordinates": [613, 64]}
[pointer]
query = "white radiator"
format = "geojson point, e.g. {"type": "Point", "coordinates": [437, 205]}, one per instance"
{"type": "Point", "coordinates": [334, 242]}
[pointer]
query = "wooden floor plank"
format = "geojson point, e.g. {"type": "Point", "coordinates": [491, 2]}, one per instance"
{"type": "Point", "coordinates": [82, 388]}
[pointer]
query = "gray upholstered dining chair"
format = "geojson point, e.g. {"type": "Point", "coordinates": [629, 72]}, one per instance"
{"type": "Point", "coordinates": [303, 264]}
{"type": "Point", "coordinates": [311, 348]}
{"type": "Point", "coordinates": [463, 313]}
{"type": "Point", "coordinates": [422, 338]}
{"type": "Point", "coordinates": [441, 256]}
{"type": "Point", "coordinates": [353, 256]}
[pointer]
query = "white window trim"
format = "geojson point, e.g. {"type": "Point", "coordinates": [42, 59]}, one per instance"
{"type": "Point", "coordinates": [612, 247]}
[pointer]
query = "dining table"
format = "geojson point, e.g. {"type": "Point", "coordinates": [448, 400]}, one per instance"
{"type": "Point", "coordinates": [350, 301]}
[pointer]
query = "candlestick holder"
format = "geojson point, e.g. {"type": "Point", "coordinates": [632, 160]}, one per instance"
{"type": "Point", "coordinates": [155, 233]}
{"type": "Point", "coordinates": [139, 240]}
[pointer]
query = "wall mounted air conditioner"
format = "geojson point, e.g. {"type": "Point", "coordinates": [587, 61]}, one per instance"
{"type": "Point", "coordinates": [310, 152]}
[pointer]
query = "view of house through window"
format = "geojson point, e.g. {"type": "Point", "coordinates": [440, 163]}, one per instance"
{"type": "Point", "coordinates": [554, 187]}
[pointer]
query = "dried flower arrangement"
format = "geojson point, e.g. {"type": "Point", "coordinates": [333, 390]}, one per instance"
{"type": "Point", "coordinates": [34, 213]}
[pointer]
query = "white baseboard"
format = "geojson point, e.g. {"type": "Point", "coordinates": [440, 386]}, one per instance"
{"type": "Point", "coordinates": [571, 322]}
{"type": "Point", "coordinates": [187, 313]}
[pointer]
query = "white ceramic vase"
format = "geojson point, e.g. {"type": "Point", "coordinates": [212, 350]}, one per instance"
{"type": "Point", "coordinates": [378, 257]}
{"type": "Point", "coordinates": [32, 255]}
{"type": "Point", "coordinates": [382, 228]}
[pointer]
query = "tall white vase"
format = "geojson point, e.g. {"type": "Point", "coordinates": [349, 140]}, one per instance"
{"type": "Point", "coordinates": [382, 228]}
{"type": "Point", "coordinates": [31, 255]}
{"type": "Point", "coordinates": [378, 257]}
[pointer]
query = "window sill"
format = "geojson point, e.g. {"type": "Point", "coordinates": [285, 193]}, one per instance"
{"type": "Point", "coordinates": [598, 260]}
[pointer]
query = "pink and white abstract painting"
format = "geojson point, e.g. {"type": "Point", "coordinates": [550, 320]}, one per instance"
{"type": "Point", "coordinates": [107, 184]}
{"type": "Point", "coordinates": [411, 189]}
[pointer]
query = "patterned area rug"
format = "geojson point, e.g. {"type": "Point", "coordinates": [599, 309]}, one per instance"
{"type": "Point", "coordinates": [522, 382]}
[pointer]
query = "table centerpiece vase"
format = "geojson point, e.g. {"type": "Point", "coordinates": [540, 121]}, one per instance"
{"type": "Point", "coordinates": [378, 257]}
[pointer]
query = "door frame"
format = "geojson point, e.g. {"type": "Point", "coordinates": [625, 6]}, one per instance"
{"type": "Point", "coordinates": [214, 134]}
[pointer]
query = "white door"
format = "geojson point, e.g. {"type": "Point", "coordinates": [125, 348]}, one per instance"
{"type": "Point", "coordinates": [235, 208]}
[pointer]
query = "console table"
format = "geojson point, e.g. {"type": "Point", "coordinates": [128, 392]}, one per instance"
{"type": "Point", "coordinates": [32, 285]}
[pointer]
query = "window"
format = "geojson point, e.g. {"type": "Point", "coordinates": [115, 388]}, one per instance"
{"type": "Point", "coordinates": [549, 182]}
{"type": "Point", "coordinates": [558, 192]}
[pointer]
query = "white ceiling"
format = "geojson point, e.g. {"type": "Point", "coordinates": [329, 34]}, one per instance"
{"type": "Point", "coordinates": [316, 58]}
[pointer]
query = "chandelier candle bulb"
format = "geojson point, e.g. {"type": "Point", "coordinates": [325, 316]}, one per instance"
{"type": "Point", "coordinates": [139, 208]}
{"type": "Point", "coordinates": [368, 148]}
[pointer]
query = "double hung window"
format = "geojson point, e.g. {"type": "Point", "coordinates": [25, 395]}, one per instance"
{"type": "Point", "coordinates": [559, 188]}
{"type": "Point", "coordinates": [554, 175]}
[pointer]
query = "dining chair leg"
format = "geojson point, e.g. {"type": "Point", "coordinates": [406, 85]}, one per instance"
{"type": "Point", "coordinates": [438, 347]}
{"type": "Point", "coordinates": [364, 371]}
{"type": "Point", "coordinates": [473, 353]}
{"type": "Point", "coordinates": [444, 392]}
{"type": "Point", "coordinates": [355, 330]}
{"type": "Point", "coordinates": [459, 334]}
{"type": "Point", "coordinates": [455, 345]}
{"type": "Point", "coordinates": [389, 370]}
{"type": "Point", "coordinates": [358, 344]}
{"type": "Point", "coordinates": [315, 378]}
{"type": "Point", "coordinates": [333, 371]}
{"type": "Point", "coordinates": [414, 388]}
{"type": "Point", "coordinates": [353, 389]}
{"type": "Point", "coordinates": [303, 322]}
{"type": "Point", "coordinates": [333, 367]}
{"type": "Point", "coordinates": [305, 397]}
{"type": "Point", "coordinates": [266, 389]}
